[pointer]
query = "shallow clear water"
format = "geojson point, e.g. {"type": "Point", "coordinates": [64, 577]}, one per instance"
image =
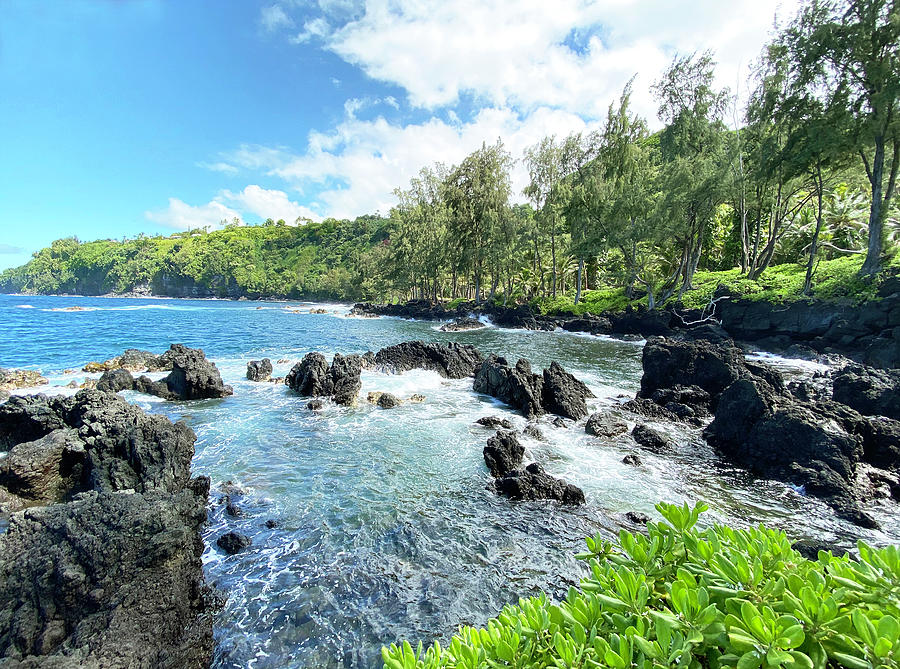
{"type": "Point", "coordinates": [385, 527]}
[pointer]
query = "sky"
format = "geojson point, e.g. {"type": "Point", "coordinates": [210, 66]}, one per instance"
{"type": "Point", "coordinates": [122, 117]}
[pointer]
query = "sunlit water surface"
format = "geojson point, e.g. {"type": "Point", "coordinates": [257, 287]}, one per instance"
{"type": "Point", "coordinates": [385, 526]}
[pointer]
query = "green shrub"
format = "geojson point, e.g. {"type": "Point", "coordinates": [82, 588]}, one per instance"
{"type": "Point", "coordinates": [684, 597]}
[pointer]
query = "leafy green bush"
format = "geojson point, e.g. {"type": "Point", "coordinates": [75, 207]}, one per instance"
{"type": "Point", "coordinates": [684, 597]}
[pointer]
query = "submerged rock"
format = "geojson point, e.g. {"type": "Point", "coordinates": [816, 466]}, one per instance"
{"type": "Point", "coordinates": [533, 431]}
{"type": "Point", "coordinates": [388, 401]}
{"type": "Point", "coordinates": [259, 370]}
{"type": "Point", "coordinates": [653, 440]}
{"type": "Point", "coordinates": [605, 424]}
{"type": "Point", "coordinates": [233, 542]}
{"type": "Point", "coordinates": [632, 460]}
{"type": "Point", "coordinates": [493, 422]}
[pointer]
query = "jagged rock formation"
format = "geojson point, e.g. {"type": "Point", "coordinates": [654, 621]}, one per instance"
{"type": "Point", "coordinates": [259, 370]}
{"type": "Point", "coordinates": [108, 572]}
{"type": "Point", "coordinates": [313, 377]}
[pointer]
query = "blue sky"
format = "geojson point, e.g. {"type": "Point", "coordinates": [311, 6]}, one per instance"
{"type": "Point", "coordinates": [118, 117]}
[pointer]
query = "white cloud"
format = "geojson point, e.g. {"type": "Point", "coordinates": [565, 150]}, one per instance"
{"type": "Point", "coordinates": [356, 166]}
{"type": "Point", "coordinates": [274, 17]}
{"type": "Point", "coordinates": [438, 50]}
{"type": "Point", "coordinates": [183, 216]}
{"type": "Point", "coordinates": [222, 167]}
{"type": "Point", "coordinates": [264, 203]}
{"type": "Point", "coordinates": [317, 28]}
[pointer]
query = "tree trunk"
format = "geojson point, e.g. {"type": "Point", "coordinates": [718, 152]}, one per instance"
{"type": "Point", "coordinates": [813, 247]}
{"type": "Point", "coordinates": [553, 253]}
{"type": "Point", "coordinates": [578, 282]}
{"type": "Point", "coordinates": [872, 265]}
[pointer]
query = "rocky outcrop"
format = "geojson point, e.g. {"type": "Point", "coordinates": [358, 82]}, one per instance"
{"type": "Point", "coordinates": [10, 379]}
{"type": "Point", "coordinates": [817, 445]}
{"type": "Point", "coordinates": [193, 377]}
{"type": "Point", "coordinates": [872, 392]}
{"type": "Point", "coordinates": [345, 373]}
{"type": "Point", "coordinates": [462, 325]}
{"type": "Point", "coordinates": [517, 386]}
{"type": "Point", "coordinates": [310, 377]}
{"type": "Point", "coordinates": [133, 360]}
{"type": "Point", "coordinates": [452, 361]}
{"type": "Point", "coordinates": [563, 394]}
{"type": "Point", "coordinates": [313, 377]}
{"type": "Point", "coordinates": [693, 369]}
{"type": "Point", "coordinates": [503, 456]}
{"type": "Point", "coordinates": [115, 380]}
{"type": "Point", "coordinates": [799, 437]}
{"type": "Point", "coordinates": [109, 572]}
{"type": "Point", "coordinates": [555, 391]}
{"type": "Point", "coordinates": [259, 370]}
{"type": "Point", "coordinates": [533, 483]}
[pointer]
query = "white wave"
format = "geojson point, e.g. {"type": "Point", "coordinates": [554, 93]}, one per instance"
{"type": "Point", "coordinates": [24, 306]}
{"type": "Point", "coordinates": [797, 364]}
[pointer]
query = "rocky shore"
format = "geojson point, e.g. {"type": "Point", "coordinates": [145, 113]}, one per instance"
{"type": "Point", "coordinates": [102, 555]}
{"type": "Point", "coordinates": [867, 333]}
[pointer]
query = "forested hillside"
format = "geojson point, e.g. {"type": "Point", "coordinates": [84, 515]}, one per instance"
{"type": "Point", "coordinates": [327, 260]}
{"type": "Point", "coordinates": [808, 174]}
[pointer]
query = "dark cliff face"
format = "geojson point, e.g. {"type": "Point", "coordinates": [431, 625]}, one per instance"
{"type": "Point", "coordinates": [869, 332]}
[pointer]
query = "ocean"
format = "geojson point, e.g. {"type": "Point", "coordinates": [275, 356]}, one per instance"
{"type": "Point", "coordinates": [385, 528]}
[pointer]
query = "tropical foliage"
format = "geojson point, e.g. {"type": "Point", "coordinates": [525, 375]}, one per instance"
{"type": "Point", "coordinates": [691, 598]}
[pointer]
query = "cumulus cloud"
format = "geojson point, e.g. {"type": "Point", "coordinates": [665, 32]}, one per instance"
{"type": "Point", "coordinates": [356, 166]}
{"type": "Point", "coordinates": [182, 216]}
{"type": "Point", "coordinates": [265, 203]}
{"type": "Point", "coordinates": [569, 54]}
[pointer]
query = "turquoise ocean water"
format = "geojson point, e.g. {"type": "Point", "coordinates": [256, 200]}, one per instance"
{"type": "Point", "coordinates": [385, 527]}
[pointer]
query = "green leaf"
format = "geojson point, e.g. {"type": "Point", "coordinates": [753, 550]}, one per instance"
{"type": "Point", "coordinates": [749, 660]}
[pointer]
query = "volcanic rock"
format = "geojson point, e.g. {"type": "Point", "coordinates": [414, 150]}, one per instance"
{"type": "Point", "coordinates": [259, 370]}
{"type": "Point", "coordinates": [563, 394]}
{"type": "Point", "coordinates": [452, 361]}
